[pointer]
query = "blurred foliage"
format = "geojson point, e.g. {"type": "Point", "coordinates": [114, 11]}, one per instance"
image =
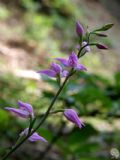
{"type": "Point", "coordinates": [49, 22]}
{"type": "Point", "coordinates": [4, 13]}
{"type": "Point", "coordinates": [91, 95]}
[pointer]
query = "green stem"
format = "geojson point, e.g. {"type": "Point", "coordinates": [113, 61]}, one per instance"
{"type": "Point", "coordinates": [42, 121]}
{"type": "Point", "coordinates": [57, 111]}
{"type": "Point", "coordinates": [14, 148]}
{"type": "Point", "coordinates": [51, 105]}
{"type": "Point", "coordinates": [88, 44]}
{"type": "Point", "coordinates": [32, 121]}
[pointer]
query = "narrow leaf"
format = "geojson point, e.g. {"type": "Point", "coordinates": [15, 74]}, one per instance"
{"type": "Point", "coordinates": [104, 28]}
{"type": "Point", "coordinates": [100, 34]}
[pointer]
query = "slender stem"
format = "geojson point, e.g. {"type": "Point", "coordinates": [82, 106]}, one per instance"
{"type": "Point", "coordinates": [14, 148]}
{"type": "Point", "coordinates": [88, 38]}
{"type": "Point", "coordinates": [47, 112]}
{"type": "Point", "coordinates": [41, 122]}
{"type": "Point", "coordinates": [52, 103]}
{"type": "Point", "coordinates": [30, 126]}
{"type": "Point", "coordinates": [57, 111]}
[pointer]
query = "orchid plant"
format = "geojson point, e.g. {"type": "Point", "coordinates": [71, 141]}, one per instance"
{"type": "Point", "coordinates": [61, 68]}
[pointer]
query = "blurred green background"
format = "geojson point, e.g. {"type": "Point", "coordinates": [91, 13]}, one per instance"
{"type": "Point", "coordinates": [32, 33]}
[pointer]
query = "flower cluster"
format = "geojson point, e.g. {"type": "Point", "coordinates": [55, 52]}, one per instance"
{"type": "Point", "coordinates": [57, 71]}
{"type": "Point", "coordinates": [54, 71]}
{"type": "Point", "coordinates": [72, 62]}
{"type": "Point", "coordinates": [62, 67]}
{"type": "Point", "coordinates": [60, 70]}
{"type": "Point", "coordinates": [26, 111]}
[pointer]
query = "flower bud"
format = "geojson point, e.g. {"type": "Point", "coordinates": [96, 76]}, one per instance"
{"type": "Point", "coordinates": [87, 48]}
{"type": "Point", "coordinates": [79, 29]}
{"type": "Point", "coordinates": [101, 46]}
{"type": "Point", "coordinates": [72, 116]}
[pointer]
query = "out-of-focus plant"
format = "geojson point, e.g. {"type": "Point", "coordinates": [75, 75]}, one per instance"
{"type": "Point", "coordinates": [4, 13]}
{"type": "Point", "coordinates": [65, 69]}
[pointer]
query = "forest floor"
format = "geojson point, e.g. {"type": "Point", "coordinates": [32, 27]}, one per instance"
{"type": "Point", "coordinates": [16, 52]}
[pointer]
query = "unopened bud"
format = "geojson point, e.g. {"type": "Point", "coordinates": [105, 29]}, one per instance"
{"type": "Point", "coordinates": [79, 29]}
{"type": "Point", "coordinates": [101, 46]}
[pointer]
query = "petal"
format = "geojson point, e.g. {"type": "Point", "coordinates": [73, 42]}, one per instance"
{"type": "Point", "coordinates": [56, 67]}
{"type": "Point", "coordinates": [63, 61]}
{"type": "Point", "coordinates": [72, 116]}
{"type": "Point", "coordinates": [18, 112]}
{"type": "Point", "coordinates": [26, 107]}
{"type": "Point", "coordinates": [80, 67]}
{"type": "Point", "coordinates": [35, 137]}
{"type": "Point", "coordinates": [64, 73]}
{"type": "Point", "coordinates": [73, 60]}
{"type": "Point", "coordinates": [49, 73]}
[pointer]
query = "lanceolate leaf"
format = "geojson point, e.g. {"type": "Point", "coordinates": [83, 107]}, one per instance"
{"type": "Point", "coordinates": [104, 28]}
{"type": "Point", "coordinates": [100, 34]}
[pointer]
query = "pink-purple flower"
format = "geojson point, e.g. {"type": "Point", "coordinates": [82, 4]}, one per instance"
{"type": "Point", "coordinates": [72, 116]}
{"type": "Point", "coordinates": [25, 110]}
{"type": "Point", "coordinates": [34, 137]}
{"type": "Point", "coordinates": [79, 29]}
{"type": "Point", "coordinates": [54, 71]}
{"type": "Point", "coordinates": [72, 62]}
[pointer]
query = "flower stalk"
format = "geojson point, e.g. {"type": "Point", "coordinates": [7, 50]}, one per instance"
{"type": "Point", "coordinates": [41, 122]}
{"type": "Point", "coordinates": [71, 66]}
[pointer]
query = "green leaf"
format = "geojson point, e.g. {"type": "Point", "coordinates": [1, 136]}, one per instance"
{"type": "Point", "coordinates": [104, 28]}
{"type": "Point", "coordinates": [100, 34]}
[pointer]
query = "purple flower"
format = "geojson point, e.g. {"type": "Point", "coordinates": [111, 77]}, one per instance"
{"type": "Point", "coordinates": [54, 70]}
{"type": "Point", "coordinates": [87, 48]}
{"type": "Point", "coordinates": [101, 46]}
{"type": "Point", "coordinates": [25, 110]}
{"type": "Point", "coordinates": [72, 62]}
{"type": "Point", "coordinates": [72, 116]}
{"type": "Point", "coordinates": [79, 29]}
{"type": "Point", "coordinates": [34, 137]}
